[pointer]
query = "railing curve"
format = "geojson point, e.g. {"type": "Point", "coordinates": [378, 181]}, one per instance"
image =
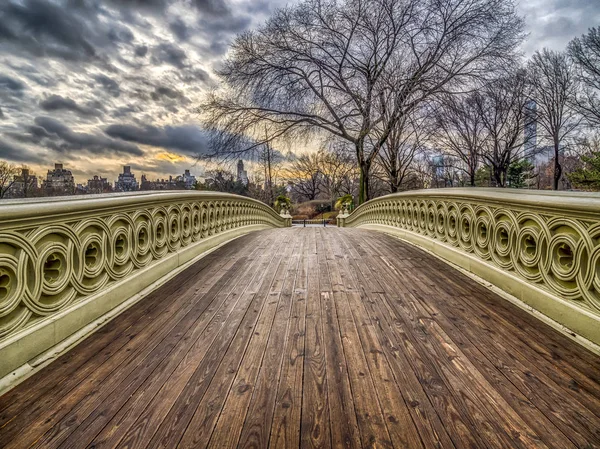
{"type": "Point", "coordinates": [58, 253]}
{"type": "Point", "coordinates": [542, 247]}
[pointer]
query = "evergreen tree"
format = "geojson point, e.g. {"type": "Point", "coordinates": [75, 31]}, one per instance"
{"type": "Point", "coordinates": [588, 177]}
{"type": "Point", "coordinates": [520, 173]}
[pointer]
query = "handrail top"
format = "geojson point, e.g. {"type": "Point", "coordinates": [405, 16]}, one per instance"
{"type": "Point", "coordinates": [25, 208]}
{"type": "Point", "coordinates": [565, 200]}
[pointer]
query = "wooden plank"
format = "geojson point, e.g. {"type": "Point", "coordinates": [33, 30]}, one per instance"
{"type": "Point", "coordinates": [367, 387]}
{"type": "Point", "coordinates": [341, 338]}
{"type": "Point", "coordinates": [165, 419]}
{"type": "Point", "coordinates": [129, 355]}
{"type": "Point", "coordinates": [517, 376]}
{"type": "Point", "coordinates": [315, 426]}
{"type": "Point", "coordinates": [399, 423]}
{"type": "Point", "coordinates": [536, 420]}
{"type": "Point", "coordinates": [124, 381]}
{"type": "Point", "coordinates": [238, 381]}
{"type": "Point", "coordinates": [496, 420]}
{"type": "Point", "coordinates": [342, 413]}
{"type": "Point", "coordinates": [124, 405]}
{"type": "Point", "coordinates": [257, 425]}
{"type": "Point", "coordinates": [408, 358]}
{"type": "Point", "coordinates": [285, 429]}
{"type": "Point", "coordinates": [63, 374]}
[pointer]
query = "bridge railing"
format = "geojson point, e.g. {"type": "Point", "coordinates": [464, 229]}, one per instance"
{"type": "Point", "coordinates": [541, 247]}
{"type": "Point", "coordinates": [66, 262]}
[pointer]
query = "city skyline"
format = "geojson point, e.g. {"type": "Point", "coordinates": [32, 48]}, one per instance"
{"type": "Point", "coordinates": [59, 181]}
{"type": "Point", "coordinates": [105, 84]}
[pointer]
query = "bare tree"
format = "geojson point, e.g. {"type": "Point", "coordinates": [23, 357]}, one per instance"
{"type": "Point", "coordinates": [553, 89]}
{"type": "Point", "coordinates": [339, 171]}
{"type": "Point", "coordinates": [304, 175]}
{"type": "Point", "coordinates": [404, 142]}
{"type": "Point", "coordinates": [346, 68]}
{"type": "Point", "coordinates": [460, 131]}
{"type": "Point", "coordinates": [7, 177]}
{"type": "Point", "coordinates": [269, 159]}
{"type": "Point", "coordinates": [501, 106]}
{"type": "Point", "coordinates": [585, 52]}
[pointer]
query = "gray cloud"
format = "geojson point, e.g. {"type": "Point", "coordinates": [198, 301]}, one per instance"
{"type": "Point", "coordinates": [168, 53]}
{"type": "Point", "coordinates": [56, 102]}
{"type": "Point", "coordinates": [59, 137]}
{"type": "Point", "coordinates": [179, 29]}
{"type": "Point", "coordinates": [189, 139]}
{"type": "Point", "coordinates": [167, 93]}
{"type": "Point", "coordinates": [141, 51]}
{"type": "Point", "coordinates": [109, 84]}
{"type": "Point", "coordinates": [16, 153]}
{"type": "Point", "coordinates": [10, 84]}
{"type": "Point", "coordinates": [213, 7]}
{"type": "Point", "coordinates": [45, 28]}
{"type": "Point", "coordinates": [553, 23]}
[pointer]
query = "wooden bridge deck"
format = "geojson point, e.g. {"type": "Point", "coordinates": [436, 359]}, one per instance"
{"type": "Point", "coordinates": [314, 337]}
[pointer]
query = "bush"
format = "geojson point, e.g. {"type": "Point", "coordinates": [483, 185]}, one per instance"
{"type": "Point", "coordinates": [307, 210]}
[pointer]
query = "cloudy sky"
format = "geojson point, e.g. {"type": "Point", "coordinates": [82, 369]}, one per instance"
{"type": "Point", "coordinates": [99, 84]}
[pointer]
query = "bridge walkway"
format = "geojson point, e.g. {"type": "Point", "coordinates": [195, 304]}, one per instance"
{"type": "Point", "coordinates": [314, 337]}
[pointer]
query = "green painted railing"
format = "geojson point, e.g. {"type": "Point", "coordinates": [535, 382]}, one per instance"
{"type": "Point", "coordinates": [540, 247]}
{"type": "Point", "coordinates": [65, 262]}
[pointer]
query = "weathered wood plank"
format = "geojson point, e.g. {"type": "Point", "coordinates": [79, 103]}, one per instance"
{"type": "Point", "coordinates": [286, 424]}
{"type": "Point", "coordinates": [118, 367]}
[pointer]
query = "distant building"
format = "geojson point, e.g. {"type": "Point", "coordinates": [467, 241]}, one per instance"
{"type": "Point", "coordinates": [187, 181]}
{"type": "Point", "coordinates": [158, 184]}
{"type": "Point", "coordinates": [24, 185]}
{"type": "Point", "coordinates": [59, 181]}
{"type": "Point", "coordinates": [443, 172]}
{"type": "Point", "coordinates": [98, 185]}
{"type": "Point", "coordinates": [126, 181]}
{"type": "Point", "coordinates": [242, 175]}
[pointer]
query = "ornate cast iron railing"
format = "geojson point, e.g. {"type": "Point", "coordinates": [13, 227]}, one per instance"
{"type": "Point", "coordinates": [65, 262]}
{"type": "Point", "coordinates": [541, 247]}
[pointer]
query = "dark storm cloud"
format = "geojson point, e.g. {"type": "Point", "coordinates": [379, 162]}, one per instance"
{"type": "Point", "coordinates": [56, 102]}
{"type": "Point", "coordinates": [166, 92]}
{"type": "Point", "coordinates": [109, 84]}
{"type": "Point", "coordinates": [54, 134]}
{"type": "Point", "coordinates": [167, 53]}
{"type": "Point", "coordinates": [120, 34]}
{"type": "Point", "coordinates": [188, 139]}
{"type": "Point", "coordinates": [16, 153]}
{"type": "Point", "coordinates": [213, 7]}
{"type": "Point", "coordinates": [1, 114]}
{"type": "Point", "coordinates": [191, 76]}
{"type": "Point", "coordinates": [180, 29]}
{"type": "Point", "coordinates": [45, 28]}
{"type": "Point", "coordinates": [10, 84]}
{"type": "Point", "coordinates": [141, 50]}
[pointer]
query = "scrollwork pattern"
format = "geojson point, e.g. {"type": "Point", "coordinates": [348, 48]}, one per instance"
{"type": "Point", "coordinates": [558, 252]}
{"type": "Point", "coordinates": [46, 268]}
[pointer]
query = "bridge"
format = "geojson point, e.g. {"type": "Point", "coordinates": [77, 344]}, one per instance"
{"type": "Point", "coordinates": [454, 318]}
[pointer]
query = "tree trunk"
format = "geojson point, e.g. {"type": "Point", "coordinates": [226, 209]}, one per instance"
{"type": "Point", "coordinates": [363, 189]}
{"type": "Point", "coordinates": [394, 184]}
{"type": "Point", "coordinates": [270, 175]}
{"type": "Point", "coordinates": [557, 166]}
{"type": "Point", "coordinates": [363, 183]}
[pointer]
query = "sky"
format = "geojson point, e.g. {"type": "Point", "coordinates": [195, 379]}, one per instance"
{"type": "Point", "coordinates": [96, 85]}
